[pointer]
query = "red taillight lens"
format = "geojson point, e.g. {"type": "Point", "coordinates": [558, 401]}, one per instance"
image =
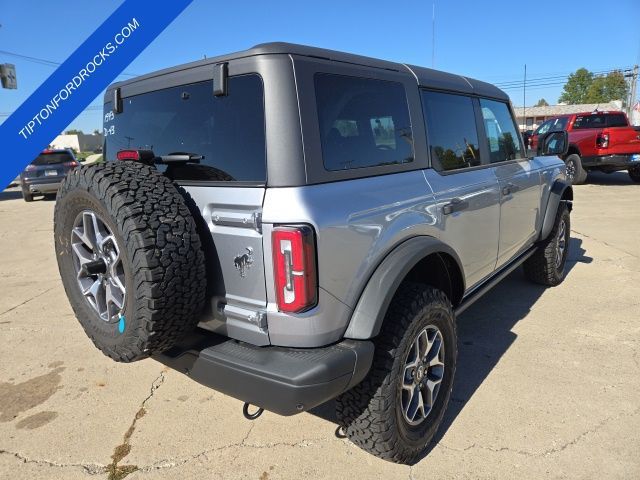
{"type": "Point", "coordinates": [71, 164]}
{"type": "Point", "coordinates": [602, 140]}
{"type": "Point", "coordinates": [128, 155]}
{"type": "Point", "coordinates": [294, 263]}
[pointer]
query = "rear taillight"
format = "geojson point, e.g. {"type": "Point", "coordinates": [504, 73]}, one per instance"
{"type": "Point", "coordinates": [71, 164]}
{"type": "Point", "coordinates": [30, 168]}
{"type": "Point", "coordinates": [602, 140]}
{"type": "Point", "coordinates": [294, 264]}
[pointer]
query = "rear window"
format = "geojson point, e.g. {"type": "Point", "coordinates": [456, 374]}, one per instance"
{"type": "Point", "coordinates": [363, 122]}
{"type": "Point", "coordinates": [227, 130]}
{"type": "Point", "coordinates": [617, 120]}
{"type": "Point", "coordinates": [53, 158]}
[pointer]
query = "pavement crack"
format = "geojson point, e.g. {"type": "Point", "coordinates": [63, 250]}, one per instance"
{"type": "Point", "coordinates": [117, 471]}
{"type": "Point", "coordinates": [550, 451]}
{"type": "Point", "coordinates": [88, 468]}
{"type": "Point", "coordinates": [27, 301]}
{"type": "Point", "coordinates": [242, 444]}
{"type": "Point", "coordinates": [605, 243]}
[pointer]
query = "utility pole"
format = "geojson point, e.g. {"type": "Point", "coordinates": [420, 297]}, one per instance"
{"type": "Point", "coordinates": [524, 97]}
{"type": "Point", "coordinates": [633, 96]}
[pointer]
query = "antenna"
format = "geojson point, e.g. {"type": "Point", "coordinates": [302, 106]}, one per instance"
{"type": "Point", "coordinates": [433, 35]}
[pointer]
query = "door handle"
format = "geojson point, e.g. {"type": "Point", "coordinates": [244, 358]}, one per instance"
{"type": "Point", "coordinates": [509, 188]}
{"type": "Point", "coordinates": [456, 205]}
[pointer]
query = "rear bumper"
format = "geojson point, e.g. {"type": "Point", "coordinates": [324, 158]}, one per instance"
{"type": "Point", "coordinates": [619, 162]}
{"type": "Point", "coordinates": [38, 185]}
{"type": "Point", "coordinates": [283, 380]}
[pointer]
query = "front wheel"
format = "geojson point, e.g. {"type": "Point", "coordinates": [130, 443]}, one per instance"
{"type": "Point", "coordinates": [396, 410]}
{"type": "Point", "coordinates": [634, 173]}
{"type": "Point", "coordinates": [547, 265]}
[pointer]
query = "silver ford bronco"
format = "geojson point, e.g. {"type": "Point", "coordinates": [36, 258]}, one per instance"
{"type": "Point", "coordinates": [291, 225]}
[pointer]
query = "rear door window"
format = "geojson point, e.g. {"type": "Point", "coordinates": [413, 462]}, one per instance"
{"type": "Point", "coordinates": [227, 130]}
{"type": "Point", "coordinates": [589, 121]}
{"type": "Point", "coordinates": [363, 122]}
{"type": "Point", "coordinates": [502, 137]}
{"type": "Point", "coordinates": [451, 130]}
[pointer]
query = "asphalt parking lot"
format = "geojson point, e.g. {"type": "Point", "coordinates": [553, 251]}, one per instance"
{"type": "Point", "coordinates": [547, 386]}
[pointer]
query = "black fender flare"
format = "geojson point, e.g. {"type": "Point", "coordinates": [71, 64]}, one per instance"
{"type": "Point", "coordinates": [558, 190]}
{"type": "Point", "coordinates": [374, 301]}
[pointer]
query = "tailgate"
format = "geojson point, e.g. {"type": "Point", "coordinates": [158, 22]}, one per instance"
{"type": "Point", "coordinates": [235, 267]}
{"type": "Point", "coordinates": [623, 140]}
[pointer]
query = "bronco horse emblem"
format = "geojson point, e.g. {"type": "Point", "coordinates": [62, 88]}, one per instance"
{"type": "Point", "coordinates": [244, 261]}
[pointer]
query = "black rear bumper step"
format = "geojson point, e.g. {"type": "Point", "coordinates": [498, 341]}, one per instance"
{"type": "Point", "coordinates": [283, 380]}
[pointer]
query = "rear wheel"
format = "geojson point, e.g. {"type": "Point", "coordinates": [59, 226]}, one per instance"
{"type": "Point", "coordinates": [576, 175]}
{"type": "Point", "coordinates": [396, 410]}
{"type": "Point", "coordinates": [634, 173]}
{"type": "Point", "coordinates": [26, 194]}
{"type": "Point", "coordinates": [129, 257]}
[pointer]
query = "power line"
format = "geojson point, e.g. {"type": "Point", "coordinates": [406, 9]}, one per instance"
{"type": "Point", "coordinates": [533, 81]}
{"type": "Point", "coordinates": [49, 63]}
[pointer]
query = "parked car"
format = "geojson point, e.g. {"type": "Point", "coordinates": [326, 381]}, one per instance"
{"type": "Point", "coordinates": [603, 141]}
{"type": "Point", "coordinates": [552, 125]}
{"type": "Point", "coordinates": [321, 217]}
{"type": "Point", "coordinates": [44, 174]}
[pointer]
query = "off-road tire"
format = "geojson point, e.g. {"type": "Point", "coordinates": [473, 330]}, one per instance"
{"type": "Point", "coordinates": [163, 261]}
{"type": "Point", "coordinates": [541, 267]}
{"type": "Point", "coordinates": [580, 174]}
{"type": "Point", "coordinates": [634, 173]}
{"type": "Point", "coordinates": [27, 195]}
{"type": "Point", "coordinates": [370, 413]}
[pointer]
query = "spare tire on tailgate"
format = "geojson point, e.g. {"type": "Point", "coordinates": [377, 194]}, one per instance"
{"type": "Point", "coordinates": [130, 258]}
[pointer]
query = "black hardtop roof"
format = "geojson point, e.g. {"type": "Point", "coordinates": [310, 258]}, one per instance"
{"type": "Point", "coordinates": [424, 76]}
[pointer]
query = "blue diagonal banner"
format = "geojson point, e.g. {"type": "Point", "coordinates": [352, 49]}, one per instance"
{"type": "Point", "coordinates": [74, 85]}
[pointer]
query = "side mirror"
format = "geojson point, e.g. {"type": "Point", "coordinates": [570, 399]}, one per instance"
{"type": "Point", "coordinates": [554, 143]}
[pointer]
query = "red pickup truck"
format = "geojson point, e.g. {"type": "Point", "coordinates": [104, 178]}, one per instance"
{"type": "Point", "coordinates": [598, 141]}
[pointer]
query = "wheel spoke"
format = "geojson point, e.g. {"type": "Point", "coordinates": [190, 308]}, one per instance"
{"type": "Point", "coordinates": [82, 256]}
{"type": "Point", "coordinates": [91, 241]}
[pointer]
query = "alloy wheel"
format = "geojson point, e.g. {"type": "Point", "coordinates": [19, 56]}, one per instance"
{"type": "Point", "coordinates": [422, 375]}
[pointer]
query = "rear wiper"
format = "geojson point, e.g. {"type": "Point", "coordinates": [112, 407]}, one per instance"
{"type": "Point", "coordinates": [179, 157]}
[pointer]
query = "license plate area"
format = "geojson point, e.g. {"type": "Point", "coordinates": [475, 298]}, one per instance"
{"type": "Point", "coordinates": [50, 173]}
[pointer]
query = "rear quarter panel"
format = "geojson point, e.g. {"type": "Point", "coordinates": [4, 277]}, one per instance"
{"type": "Point", "coordinates": [357, 223]}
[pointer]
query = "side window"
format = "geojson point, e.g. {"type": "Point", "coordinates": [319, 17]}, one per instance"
{"type": "Point", "coordinates": [502, 137]}
{"type": "Point", "coordinates": [544, 128]}
{"type": "Point", "coordinates": [452, 132]}
{"type": "Point", "coordinates": [363, 122]}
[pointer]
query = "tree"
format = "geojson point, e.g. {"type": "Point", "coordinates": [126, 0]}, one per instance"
{"type": "Point", "coordinates": [542, 103]}
{"type": "Point", "coordinates": [73, 132]}
{"type": "Point", "coordinates": [577, 86]}
{"type": "Point", "coordinates": [607, 88]}
{"type": "Point", "coordinates": [584, 87]}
